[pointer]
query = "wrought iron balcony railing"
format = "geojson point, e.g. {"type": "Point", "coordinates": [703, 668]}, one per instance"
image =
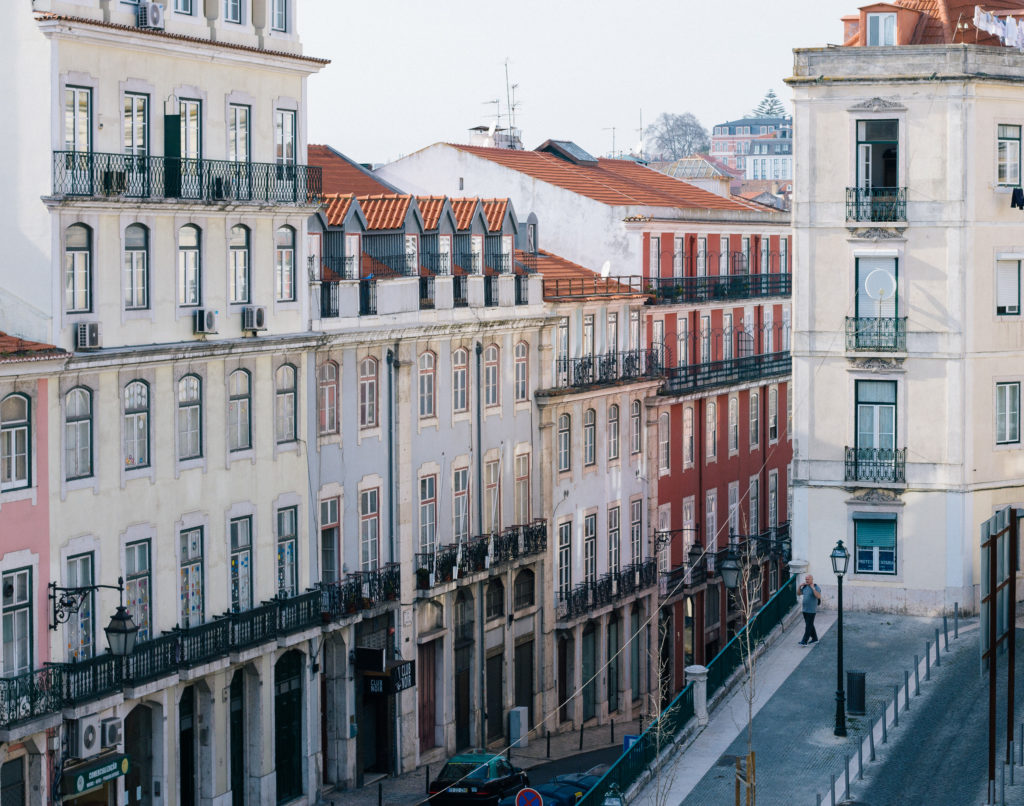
{"type": "Point", "coordinates": [501, 263]}
{"type": "Point", "coordinates": [367, 297]}
{"type": "Point", "coordinates": [606, 589]}
{"type": "Point", "coordinates": [668, 290]}
{"type": "Point", "coordinates": [426, 293]}
{"type": "Point", "coordinates": [481, 553]}
{"type": "Point", "coordinates": [606, 368]}
{"type": "Point", "coordinates": [580, 287]}
{"type": "Point", "coordinates": [697, 377]}
{"type": "Point", "coordinates": [490, 290]}
{"type": "Point", "coordinates": [522, 289]}
{"type": "Point", "coordinates": [460, 291]}
{"type": "Point", "coordinates": [876, 464]}
{"type": "Point", "coordinates": [436, 263]}
{"type": "Point", "coordinates": [877, 334]}
{"type": "Point", "coordinates": [90, 174]}
{"type": "Point", "coordinates": [330, 300]}
{"type": "Point", "coordinates": [876, 204]}
{"type": "Point", "coordinates": [339, 268]}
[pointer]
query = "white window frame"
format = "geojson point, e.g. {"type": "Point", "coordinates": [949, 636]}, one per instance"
{"type": "Point", "coordinates": [1007, 413]}
{"type": "Point", "coordinates": [1008, 155]}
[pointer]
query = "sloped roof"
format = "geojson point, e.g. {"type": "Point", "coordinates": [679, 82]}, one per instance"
{"type": "Point", "coordinates": [338, 205]}
{"type": "Point", "coordinates": [464, 210]}
{"type": "Point", "coordinates": [612, 182]}
{"type": "Point", "coordinates": [939, 19]}
{"type": "Point", "coordinates": [342, 175]}
{"type": "Point", "coordinates": [430, 209]}
{"type": "Point", "coordinates": [13, 349]}
{"type": "Point", "coordinates": [385, 210]}
{"type": "Point", "coordinates": [565, 280]}
{"type": "Point", "coordinates": [697, 166]}
{"type": "Point", "coordinates": [494, 212]}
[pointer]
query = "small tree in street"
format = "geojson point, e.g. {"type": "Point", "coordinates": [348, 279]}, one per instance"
{"type": "Point", "coordinates": [672, 136]}
{"type": "Point", "coordinates": [770, 106]}
{"type": "Point", "coordinates": [662, 714]}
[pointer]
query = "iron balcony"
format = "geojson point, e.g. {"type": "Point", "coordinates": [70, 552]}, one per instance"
{"type": "Point", "coordinates": [876, 465]}
{"type": "Point", "coordinates": [88, 174]}
{"type": "Point", "coordinates": [607, 368]}
{"type": "Point", "coordinates": [606, 589]}
{"type": "Point", "coordinates": [876, 334]}
{"type": "Point", "coordinates": [670, 290]}
{"type": "Point", "coordinates": [876, 204]}
{"type": "Point", "coordinates": [481, 553]}
{"type": "Point", "coordinates": [698, 377]}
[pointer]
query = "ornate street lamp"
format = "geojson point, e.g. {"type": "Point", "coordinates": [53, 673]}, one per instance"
{"type": "Point", "coordinates": [730, 571]}
{"type": "Point", "coordinates": [122, 630]}
{"type": "Point", "coordinates": [840, 559]}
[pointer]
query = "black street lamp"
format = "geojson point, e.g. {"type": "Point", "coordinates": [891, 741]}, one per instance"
{"type": "Point", "coordinates": [730, 571]}
{"type": "Point", "coordinates": [122, 630]}
{"type": "Point", "coordinates": [840, 558]}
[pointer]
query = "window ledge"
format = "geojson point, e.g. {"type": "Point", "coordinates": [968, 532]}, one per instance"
{"type": "Point", "coordinates": [18, 494]}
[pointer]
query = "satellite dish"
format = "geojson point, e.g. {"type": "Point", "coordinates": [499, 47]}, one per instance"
{"type": "Point", "coordinates": [880, 285]}
{"type": "Point", "coordinates": [490, 129]}
{"type": "Point", "coordinates": [606, 269]}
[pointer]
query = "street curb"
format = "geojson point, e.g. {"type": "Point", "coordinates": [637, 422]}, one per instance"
{"type": "Point", "coordinates": [692, 730]}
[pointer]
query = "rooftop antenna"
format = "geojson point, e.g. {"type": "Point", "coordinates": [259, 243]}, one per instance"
{"type": "Point", "coordinates": [612, 129]}
{"type": "Point", "coordinates": [515, 105]}
{"type": "Point", "coordinates": [640, 148]}
{"type": "Point", "coordinates": [508, 95]}
{"type": "Point", "coordinates": [497, 110]}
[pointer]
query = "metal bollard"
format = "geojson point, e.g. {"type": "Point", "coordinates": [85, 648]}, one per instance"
{"type": "Point", "coordinates": [846, 779]}
{"type": "Point", "coordinates": [917, 679]}
{"type": "Point", "coordinates": [956, 620]}
{"type": "Point", "coordinates": [380, 794]}
{"type": "Point", "coordinates": [938, 655]}
{"type": "Point", "coordinates": [612, 723]}
{"type": "Point", "coordinates": [896, 706]}
{"type": "Point", "coordinates": [549, 745]}
{"type": "Point", "coordinates": [427, 776]}
{"type": "Point", "coordinates": [927, 660]}
{"type": "Point", "coordinates": [1002, 784]}
{"type": "Point", "coordinates": [871, 741]}
{"type": "Point", "coordinates": [906, 688]}
{"type": "Point", "coordinates": [860, 761]}
{"type": "Point", "coordinates": [945, 632]}
{"type": "Point", "coordinates": [1011, 763]}
{"type": "Point", "coordinates": [885, 719]}
{"type": "Point", "coordinates": [1021, 744]}
{"type": "Point", "coordinates": [832, 788]}
{"type": "Point", "coordinates": [581, 735]}
{"type": "Point", "coordinates": [818, 800]}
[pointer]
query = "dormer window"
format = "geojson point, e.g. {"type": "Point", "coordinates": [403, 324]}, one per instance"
{"type": "Point", "coordinates": [882, 29]}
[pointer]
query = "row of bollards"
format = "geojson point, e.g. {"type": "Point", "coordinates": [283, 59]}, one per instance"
{"type": "Point", "coordinates": [883, 721]}
{"type": "Point", "coordinates": [1014, 757]}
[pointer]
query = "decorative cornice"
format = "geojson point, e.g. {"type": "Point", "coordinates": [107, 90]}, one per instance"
{"type": "Point", "coordinates": [877, 364]}
{"type": "Point", "coordinates": [877, 104]}
{"type": "Point", "coordinates": [875, 495]}
{"type": "Point", "coordinates": [878, 234]}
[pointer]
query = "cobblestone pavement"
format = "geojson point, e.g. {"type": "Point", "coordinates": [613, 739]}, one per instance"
{"type": "Point", "coordinates": [793, 732]}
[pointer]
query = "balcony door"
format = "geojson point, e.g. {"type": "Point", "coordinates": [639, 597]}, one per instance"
{"type": "Point", "coordinates": [876, 418]}
{"type": "Point", "coordinates": [190, 113]}
{"type": "Point", "coordinates": [78, 138]}
{"type": "Point", "coordinates": [135, 181]}
{"type": "Point", "coordinates": [877, 302]}
{"type": "Point", "coordinates": [877, 154]}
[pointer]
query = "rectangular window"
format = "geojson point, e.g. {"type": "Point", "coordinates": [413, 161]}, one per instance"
{"type": "Point", "coordinates": [81, 641]}
{"type": "Point", "coordinates": [688, 436]}
{"type": "Point", "coordinates": [613, 540]}
{"type": "Point", "coordinates": [238, 133]}
{"type": "Point", "coordinates": [287, 548]}
{"type": "Point", "coordinates": [734, 425]}
{"type": "Point", "coordinates": [734, 507]}
{"type": "Point", "coordinates": [705, 339]}
{"type": "Point", "coordinates": [877, 288]}
{"type": "Point", "coordinates": [702, 256]}
{"type": "Point", "coordinates": [192, 610]}
{"type": "Point", "coordinates": [773, 499]}
{"type": "Point", "coordinates": [588, 335]}
{"type": "Point", "coordinates": [634, 330]}
{"type": "Point", "coordinates": [241, 564]}
{"type": "Point", "coordinates": [369, 529]}
{"type": "Point", "coordinates": [279, 15]}
{"type": "Point", "coordinates": [522, 491]}
{"type": "Point", "coordinates": [711, 520]}
{"type": "Point", "coordinates": [876, 415]}
{"type": "Point", "coordinates": [711, 431]}
{"type": "Point", "coordinates": [329, 526]}
{"type": "Point", "coordinates": [655, 263]}
{"type": "Point", "coordinates": [135, 123]}
{"type": "Point", "coordinates": [664, 446]}
{"type": "Point", "coordinates": [727, 337]}
{"type": "Point", "coordinates": [233, 11]}
{"type": "Point", "coordinates": [754, 402]}
{"type": "Point", "coordinates": [564, 557]}
{"type": "Point", "coordinates": [1008, 287]}
{"type": "Point", "coordinates": [183, 6]}
{"type": "Point", "coordinates": [773, 414]}
{"type": "Point", "coordinates": [137, 586]}
{"type": "Point", "coordinates": [492, 497]}
{"type": "Point", "coordinates": [723, 255]}
{"type": "Point", "coordinates": [611, 336]}
{"type": "Point", "coordinates": [460, 372]}
{"type": "Point", "coordinates": [636, 512]}
{"type": "Point", "coordinates": [1007, 413]}
{"type": "Point", "coordinates": [428, 514]}
{"type": "Point", "coordinates": [460, 504]}
{"type": "Point", "coordinates": [877, 156]}
{"type": "Point", "coordinates": [875, 545]}
{"type": "Point", "coordinates": [1008, 155]}
{"type": "Point", "coordinates": [755, 505]}
{"type": "Point", "coordinates": [881, 29]}
{"type": "Point", "coordinates": [590, 549]}
{"type": "Point", "coordinates": [16, 622]}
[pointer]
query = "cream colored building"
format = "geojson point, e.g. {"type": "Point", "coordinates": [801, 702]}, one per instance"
{"type": "Point", "coordinates": [908, 332]}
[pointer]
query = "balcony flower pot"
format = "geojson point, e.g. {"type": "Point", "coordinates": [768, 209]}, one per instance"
{"type": "Point", "coordinates": [424, 579]}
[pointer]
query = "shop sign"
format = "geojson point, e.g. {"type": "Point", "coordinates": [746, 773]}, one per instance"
{"type": "Point", "coordinates": [84, 777]}
{"type": "Point", "coordinates": [399, 677]}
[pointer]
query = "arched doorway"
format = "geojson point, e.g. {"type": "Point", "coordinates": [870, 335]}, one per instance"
{"type": "Point", "coordinates": [188, 748]}
{"type": "Point", "coordinates": [138, 740]}
{"type": "Point", "coordinates": [463, 664]}
{"type": "Point", "coordinates": [589, 661]}
{"type": "Point", "coordinates": [288, 725]}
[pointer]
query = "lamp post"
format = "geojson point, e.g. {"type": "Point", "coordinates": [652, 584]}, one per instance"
{"type": "Point", "coordinates": [840, 557]}
{"type": "Point", "coordinates": [122, 630]}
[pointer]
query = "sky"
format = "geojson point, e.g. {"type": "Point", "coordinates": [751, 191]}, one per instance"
{"type": "Point", "coordinates": [408, 73]}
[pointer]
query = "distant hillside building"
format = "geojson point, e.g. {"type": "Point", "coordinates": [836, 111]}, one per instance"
{"type": "Point", "coordinates": [760, 147]}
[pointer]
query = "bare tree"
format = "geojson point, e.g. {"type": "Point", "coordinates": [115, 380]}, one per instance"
{"type": "Point", "coordinates": [663, 716]}
{"type": "Point", "coordinates": [770, 106]}
{"type": "Point", "coordinates": [749, 582]}
{"type": "Point", "coordinates": [673, 136]}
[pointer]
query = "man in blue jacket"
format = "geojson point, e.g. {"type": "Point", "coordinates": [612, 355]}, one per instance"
{"type": "Point", "coordinates": [810, 595]}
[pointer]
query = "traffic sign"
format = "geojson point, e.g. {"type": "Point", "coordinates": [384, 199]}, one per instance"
{"type": "Point", "coordinates": [528, 797]}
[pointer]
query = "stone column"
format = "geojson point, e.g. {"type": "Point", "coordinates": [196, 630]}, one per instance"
{"type": "Point", "coordinates": [698, 677]}
{"type": "Point", "coordinates": [602, 672]}
{"type": "Point", "coordinates": [797, 568]}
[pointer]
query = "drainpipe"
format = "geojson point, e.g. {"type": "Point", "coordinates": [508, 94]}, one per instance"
{"type": "Point", "coordinates": [479, 528]}
{"type": "Point", "coordinates": [393, 364]}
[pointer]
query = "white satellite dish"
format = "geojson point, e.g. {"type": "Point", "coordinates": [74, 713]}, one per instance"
{"type": "Point", "coordinates": [490, 129]}
{"type": "Point", "coordinates": [606, 269]}
{"type": "Point", "coordinates": [880, 285]}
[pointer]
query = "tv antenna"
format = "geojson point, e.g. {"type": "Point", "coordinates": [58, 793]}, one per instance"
{"type": "Point", "coordinates": [497, 112]}
{"type": "Point", "coordinates": [612, 130]}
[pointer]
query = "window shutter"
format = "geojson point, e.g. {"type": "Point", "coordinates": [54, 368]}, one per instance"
{"type": "Point", "coordinates": [876, 533]}
{"type": "Point", "coordinates": [868, 305]}
{"type": "Point", "coordinates": [1007, 286]}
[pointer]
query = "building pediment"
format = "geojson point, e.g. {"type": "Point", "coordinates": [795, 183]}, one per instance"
{"type": "Point", "coordinates": [879, 105]}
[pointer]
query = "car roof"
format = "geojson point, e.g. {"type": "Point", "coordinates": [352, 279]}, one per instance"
{"type": "Point", "coordinates": [473, 758]}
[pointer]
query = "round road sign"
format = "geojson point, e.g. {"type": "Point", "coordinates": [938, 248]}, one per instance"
{"type": "Point", "coordinates": [528, 797]}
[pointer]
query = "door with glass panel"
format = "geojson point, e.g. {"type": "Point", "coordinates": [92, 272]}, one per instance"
{"type": "Point", "coordinates": [284, 148]}
{"type": "Point", "coordinates": [876, 429]}
{"type": "Point", "coordinates": [191, 149]}
{"type": "Point", "coordinates": [240, 167]}
{"type": "Point", "coordinates": [78, 161]}
{"type": "Point", "coordinates": [136, 146]}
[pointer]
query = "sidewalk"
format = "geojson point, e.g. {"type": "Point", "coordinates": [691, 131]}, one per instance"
{"type": "Point", "coordinates": [410, 788]}
{"type": "Point", "coordinates": [794, 713]}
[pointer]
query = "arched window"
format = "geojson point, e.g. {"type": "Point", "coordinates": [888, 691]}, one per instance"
{"type": "Point", "coordinates": [613, 431]}
{"type": "Point", "coordinates": [664, 450]}
{"type": "Point", "coordinates": [491, 375]}
{"type": "Point", "coordinates": [327, 400]}
{"type": "Point", "coordinates": [426, 377]}
{"type": "Point", "coordinates": [524, 589]}
{"type": "Point", "coordinates": [521, 371]}
{"type": "Point", "coordinates": [734, 425]}
{"type": "Point", "coordinates": [460, 375]}
{"type": "Point", "coordinates": [368, 392]}
{"type": "Point", "coordinates": [284, 264]}
{"type": "Point", "coordinates": [589, 437]}
{"type": "Point", "coordinates": [285, 404]}
{"type": "Point", "coordinates": [190, 417]}
{"type": "Point", "coordinates": [711, 429]}
{"type": "Point", "coordinates": [15, 443]}
{"type": "Point", "coordinates": [136, 267]}
{"type": "Point", "coordinates": [635, 436]}
{"type": "Point", "coordinates": [495, 599]}
{"type": "Point", "coordinates": [239, 411]}
{"type": "Point", "coordinates": [189, 266]}
{"type": "Point", "coordinates": [238, 263]}
{"type": "Point", "coordinates": [136, 424]}
{"type": "Point", "coordinates": [564, 443]}
{"type": "Point", "coordinates": [77, 269]}
{"type": "Point", "coordinates": [78, 433]}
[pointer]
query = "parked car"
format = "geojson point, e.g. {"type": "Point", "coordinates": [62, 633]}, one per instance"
{"type": "Point", "coordinates": [478, 778]}
{"type": "Point", "coordinates": [563, 790]}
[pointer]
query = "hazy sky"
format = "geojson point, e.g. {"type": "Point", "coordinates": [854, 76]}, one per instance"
{"type": "Point", "coordinates": [408, 73]}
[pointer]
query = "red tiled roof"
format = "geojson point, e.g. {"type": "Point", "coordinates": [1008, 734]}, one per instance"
{"type": "Point", "coordinates": [14, 349]}
{"type": "Point", "coordinates": [938, 21]}
{"type": "Point", "coordinates": [464, 210]}
{"type": "Point", "coordinates": [613, 182]}
{"type": "Point", "coordinates": [494, 212]}
{"type": "Point", "coordinates": [564, 279]}
{"type": "Point", "coordinates": [338, 205]}
{"type": "Point", "coordinates": [49, 15]}
{"type": "Point", "coordinates": [430, 209]}
{"type": "Point", "coordinates": [385, 210]}
{"type": "Point", "coordinates": [341, 175]}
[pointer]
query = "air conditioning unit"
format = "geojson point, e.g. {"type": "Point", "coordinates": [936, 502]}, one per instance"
{"type": "Point", "coordinates": [221, 188]}
{"type": "Point", "coordinates": [204, 321]}
{"type": "Point", "coordinates": [84, 736]}
{"type": "Point", "coordinates": [151, 15]}
{"type": "Point", "coordinates": [254, 318]}
{"type": "Point", "coordinates": [111, 732]}
{"type": "Point", "coordinates": [87, 336]}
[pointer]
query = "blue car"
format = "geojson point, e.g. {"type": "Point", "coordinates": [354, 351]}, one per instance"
{"type": "Point", "coordinates": [562, 790]}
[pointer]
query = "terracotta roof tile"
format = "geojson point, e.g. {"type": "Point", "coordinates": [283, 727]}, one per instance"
{"type": "Point", "coordinates": [342, 175]}
{"type": "Point", "coordinates": [564, 279]}
{"type": "Point", "coordinates": [464, 210]}
{"type": "Point", "coordinates": [338, 205]}
{"type": "Point", "coordinates": [613, 182]}
{"type": "Point", "coordinates": [494, 212]}
{"type": "Point", "coordinates": [49, 15]}
{"type": "Point", "coordinates": [14, 349]}
{"type": "Point", "coordinates": [939, 18]}
{"type": "Point", "coordinates": [430, 209]}
{"type": "Point", "coordinates": [385, 210]}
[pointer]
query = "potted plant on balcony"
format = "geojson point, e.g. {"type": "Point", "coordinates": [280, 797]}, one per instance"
{"type": "Point", "coordinates": [423, 579]}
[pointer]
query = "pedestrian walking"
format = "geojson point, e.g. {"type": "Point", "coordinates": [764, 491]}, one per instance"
{"type": "Point", "coordinates": [810, 595]}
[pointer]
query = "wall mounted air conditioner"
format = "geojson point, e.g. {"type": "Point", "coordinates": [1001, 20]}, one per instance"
{"type": "Point", "coordinates": [254, 318]}
{"type": "Point", "coordinates": [151, 15]}
{"type": "Point", "coordinates": [87, 336]}
{"type": "Point", "coordinates": [204, 321]}
{"type": "Point", "coordinates": [111, 732]}
{"type": "Point", "coordinates": [84, 736]}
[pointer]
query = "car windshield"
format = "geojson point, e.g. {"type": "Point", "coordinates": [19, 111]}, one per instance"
{"type": "Point", "coordinates": [457, 770]}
